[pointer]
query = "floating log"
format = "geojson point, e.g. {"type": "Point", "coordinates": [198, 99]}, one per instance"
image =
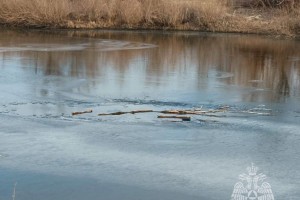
{"type": "Point", "coordinates": [114, 113]}
{"type": "Point", "coordinates": [180, 112]}
{"type": "Point", "coordinates": [141, 111]}
{"type": "Point", "coordinates": [191, 112]}
{"type": "Point", "coordinates": [171, 112]}
{"type": "Point", "coordinates": [123, 113]}
{"type": "Point", "coordinates": [183, 118]}
{"type": "Point", "coordinates": [83, 112]}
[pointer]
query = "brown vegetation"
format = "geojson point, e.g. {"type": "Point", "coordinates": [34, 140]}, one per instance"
{"type": "Point", "coordinates": [204, 15]}
{"type": "Point", "coordinates": [268, 3]}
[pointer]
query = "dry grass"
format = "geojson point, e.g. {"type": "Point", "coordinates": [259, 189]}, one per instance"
{"type": "Point", "coordinates": [204, 15]}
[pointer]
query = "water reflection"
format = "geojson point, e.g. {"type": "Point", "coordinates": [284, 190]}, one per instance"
{"type": "Point", "coordinates": [196, 60]}
{"type": "Point", "coordinates": [48, 75]}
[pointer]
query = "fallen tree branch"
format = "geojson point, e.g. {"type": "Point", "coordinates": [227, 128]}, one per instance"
{"type": "Point", "coordinates": [183, 118]}
{"type": "Point", "coordinates": [179, 112]}
{"type": "Point", "coordinates": [172, 112]}
{"type": "Point", "coordinates": [141, 111]}
{"type": "Point", "coordinates": [192, 112]}
{"type": "Point", "coordinates": [114, 113]}
{"type": "Point", "coordinates": [80, 113]}
{"type": "Point", "coordinates": [123, 113]}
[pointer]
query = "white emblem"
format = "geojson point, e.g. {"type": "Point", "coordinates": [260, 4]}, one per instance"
{"type": "Point", "coordinates": [254, 189]}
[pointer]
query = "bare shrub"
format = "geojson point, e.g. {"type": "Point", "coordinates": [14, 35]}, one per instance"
{"type": "Point", "coordinates": [130, 12]}
{"type": "Point", "coordinates": [88, 10]}
{"type": "Point", "coordinates": [33, 12]}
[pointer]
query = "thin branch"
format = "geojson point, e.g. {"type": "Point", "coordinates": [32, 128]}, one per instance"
{"type": "Point", "coordinates": [83, 112]}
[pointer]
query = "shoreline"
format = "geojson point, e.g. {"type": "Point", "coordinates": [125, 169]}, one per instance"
{"type": "Point", "coordinates": [136, 29]}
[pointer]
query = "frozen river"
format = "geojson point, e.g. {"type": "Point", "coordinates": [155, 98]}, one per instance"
{"type": "Point", "coordinates": [50, 154]}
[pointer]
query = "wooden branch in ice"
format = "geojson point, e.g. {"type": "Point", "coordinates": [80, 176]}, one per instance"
{"type": "Point", "coordinates": [183, 118]}
{"type": "Point", "coordinates": [123, 113]}
{"type": "Point", "coordinates": [83, 112]}
{"type": "Point", "coordinates": [171, 112]}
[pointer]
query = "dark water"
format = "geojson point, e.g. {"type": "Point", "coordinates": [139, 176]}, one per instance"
{"type": "Point", "coordinates": [45, 76]}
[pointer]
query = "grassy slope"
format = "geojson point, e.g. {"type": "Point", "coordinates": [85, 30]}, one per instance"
{"type": "Point", "coordinates": [204, 15]}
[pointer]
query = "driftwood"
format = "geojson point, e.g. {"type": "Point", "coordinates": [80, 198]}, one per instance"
{"type": "Point", "coordinates": [84, 112]}
{"type": "Point", "coordinates": [141, 111]}
{"type": "Point", "coordinates": [171, 112]}
{"type": "Point", "coordinates": [184, 115]}
{"type": "Point", "coordinates": [114, 113]}
{"type": "Point", "coordinates": [192, 112]}
{"type": "Point", "coordinates": [123, 113]}
{"type": "Point", "coordinates": [183, 118]}
{"type": "Point", "coordinates": [179, 112]}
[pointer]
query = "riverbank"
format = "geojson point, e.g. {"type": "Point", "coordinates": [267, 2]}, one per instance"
{"type": "Point", "coordinates": [207, 15]}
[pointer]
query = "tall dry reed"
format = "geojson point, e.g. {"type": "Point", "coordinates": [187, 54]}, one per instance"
{"type": "Point", "coordinates": [129, 13]}
{"type": "Point", "coordinates": [204, 15]}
